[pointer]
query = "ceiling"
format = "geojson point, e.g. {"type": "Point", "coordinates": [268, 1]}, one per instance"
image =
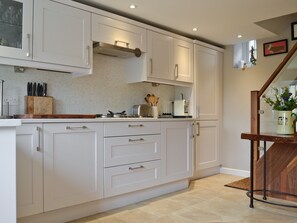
{"type": "Point", "coordinates": [218, 21]}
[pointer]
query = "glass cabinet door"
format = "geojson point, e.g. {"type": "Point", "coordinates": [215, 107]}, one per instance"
{"type": "Point", "coordinates": [16, 28]}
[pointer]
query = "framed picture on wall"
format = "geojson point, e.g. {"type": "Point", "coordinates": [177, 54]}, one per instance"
{"type": "Point", "coordinates": [294, 30]}
{"type": "Point", "coordinates": [276, 47]}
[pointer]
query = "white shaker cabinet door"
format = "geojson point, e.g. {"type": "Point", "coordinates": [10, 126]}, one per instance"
{"type": "Point", "coordinates": [73, 164]}
{"type": "Point", "coordinates": [183, 60]}
{"type": "Point", "coordinates": [62, 34]}
{"type": "Point", "coordinates": [208, 69]}
{"type": "Point", "coordinates": [160, 56]}
{"type": "Point", "coordinates": [177, 150]}
{"type": "Point", "coordinates": [207, 145]}
{"type": "Point", "coordinates": [29, 170]}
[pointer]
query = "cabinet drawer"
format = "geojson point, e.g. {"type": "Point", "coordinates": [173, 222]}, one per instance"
{"type": "Point", "coordinates": [132, 149]}
{"type": "Point", "coordinates": [128, 178]}
{"type": "Point", "coordinates": [131, 128]}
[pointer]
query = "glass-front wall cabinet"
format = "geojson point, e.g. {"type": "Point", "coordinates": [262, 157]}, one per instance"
{"type": "Point", "coordinates": [16, 28]}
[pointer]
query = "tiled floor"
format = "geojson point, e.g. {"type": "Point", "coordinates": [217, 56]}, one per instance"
{"type": "Point", "coordinates": [207, 200]}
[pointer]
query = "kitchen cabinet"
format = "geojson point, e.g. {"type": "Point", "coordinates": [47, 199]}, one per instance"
{"type": "Point", "coordinates": [132, 157]}
{"type": "Point", "coordinates": [16, 29]}
{"type": "Point", "coordinates": [62, 34]}
{"type": "Point", "coordinates": [207, 145]}
{"type": "Point", "coordinates": [177, 150]}
{"type": "Point", "coordinates": [115, 32]}
{"type": "Point", "coordinates": [73, 164]}
{"type": "Point", "coordinates": [29, 169]}
{"type": "Point", "coordinates": [208, 82]}
{"type": "Point", "coordinates": [208, 106]}
{"type": "Point", "coordinates": [169, 60]}
{"type": "Point", "coordinates": [183, 60]}
{"type": "Point", "coordinates": [160, 56]}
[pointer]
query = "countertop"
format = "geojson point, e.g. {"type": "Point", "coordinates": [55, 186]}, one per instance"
{"type": "Point", "coordinates": [74, 120]}
{"type": "Point", "coordinates": [9, 122]}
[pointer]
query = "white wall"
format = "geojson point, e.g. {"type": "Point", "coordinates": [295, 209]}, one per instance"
{"type": "Point", "coordinates": [236, 101]}
{"type": "Point", "coordinates": [105, 90]}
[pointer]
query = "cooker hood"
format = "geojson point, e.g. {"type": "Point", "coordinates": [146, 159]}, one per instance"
{"type": "Point", "coordinates": [115, 51]}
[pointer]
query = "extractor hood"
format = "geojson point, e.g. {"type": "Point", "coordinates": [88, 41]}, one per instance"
{"type": "Point", "coordinates": [115, 51]}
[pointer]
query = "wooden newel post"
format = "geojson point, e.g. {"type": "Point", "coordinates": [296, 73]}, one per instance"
{"type": "Point", "coordinates": [255, 120]}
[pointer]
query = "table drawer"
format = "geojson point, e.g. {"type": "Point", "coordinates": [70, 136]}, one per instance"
{"type": "Point", "coordinates": [129, 178]}
{"type": "Point", "coordinates": [131, 149]}
{"type": "Point", "coordinates": [131, 128]}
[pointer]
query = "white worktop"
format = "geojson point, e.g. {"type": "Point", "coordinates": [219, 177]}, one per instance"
{"type": "Point", "coordinates": [61, 120]}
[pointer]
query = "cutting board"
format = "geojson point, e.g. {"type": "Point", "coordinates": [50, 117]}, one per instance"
{"type": "Point", "coordinates": [27, 116]}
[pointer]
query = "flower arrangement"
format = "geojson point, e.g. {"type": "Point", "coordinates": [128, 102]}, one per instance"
{"type": "Point", "coordinates": [283, 99]}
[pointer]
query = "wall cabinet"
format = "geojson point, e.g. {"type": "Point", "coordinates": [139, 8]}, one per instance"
{"type": "Point", "coordinates": [207, 145]}
{"type": "Point", "coordinates": [16, 29]}
{"type": "Point", "coordinates": [115, 32]}
{"type": "Point", "coordinates": [73, 164]}
{"type": "Point", "coordinates": [29, 168]}
{"type": "Point", "coordinates": [168, 61]}
{"type": "Point", "coordinates": [62, 34]}
{"type": "Point", "coordinates": [169, 58]}
{"type": "Point", "coordinates": [160, 56]}
{"type": "Point", "coordinates": [183, 60]}
{"type": "Point", "coordinates": [177, 150]}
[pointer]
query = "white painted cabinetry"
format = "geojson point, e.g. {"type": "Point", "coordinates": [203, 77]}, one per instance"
{"type": "Point", "coordinates": [115, 32]}
{"type": "Point", "coordinates": [29, 168]}
{"type": "Point", "coordinates": [62, 34]}
{"type": "Point", "coordinates": [208, 105]}
{"type": "Point", "coordinates": [160, 56]}
{"type": "Point", "coordinates": [170, 58]}
{"type": "Point", "coordinates": [207, 145]}
{"type": "Point", "coordinates": [183, 60]}
{"type": "Point", "coordinates": [177, 150]}
{"type": "Point", "coordinates": [132, 157]}
{"type": "Point", "coordinates": [16, 29]}
{"type": "Point", "coordinates": [73, 164]}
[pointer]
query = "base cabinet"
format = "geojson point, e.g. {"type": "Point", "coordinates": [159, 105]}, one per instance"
{"type": "Point", "coordinates": [29, 170]}
{"type": "Point", "coordinates": [207, 145]}
{"type": "Point", "coordinates": [73, 164]}
{"type": "Point", "coordinates": [177, 150]}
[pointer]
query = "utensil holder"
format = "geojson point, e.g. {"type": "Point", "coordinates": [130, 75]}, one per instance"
{"type": "Point", "coordinates": [155, 112]}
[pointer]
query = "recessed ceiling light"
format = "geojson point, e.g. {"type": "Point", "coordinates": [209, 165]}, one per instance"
{"type": "Point", "coordinates": [195, 29]}
{"type": "Point", "coordinates": [132, 6]}
{"type": "Point", "coordinates": [239, 36]}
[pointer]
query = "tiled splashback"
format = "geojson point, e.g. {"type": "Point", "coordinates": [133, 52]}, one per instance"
{"type": "Point", "coordinates": [105, 90]}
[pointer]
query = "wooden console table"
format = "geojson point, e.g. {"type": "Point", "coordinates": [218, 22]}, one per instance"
{"type": "Point", "coordinates": [281, 156]}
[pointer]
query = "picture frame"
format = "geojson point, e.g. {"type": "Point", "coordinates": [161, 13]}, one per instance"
{"type": "Point", "coordinates": [294, 30]}
{"type": "Point", "coordinates": [275, 47]}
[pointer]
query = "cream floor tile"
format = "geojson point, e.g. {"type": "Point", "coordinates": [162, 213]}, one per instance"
{"type": "Point", "coordinates": [205, 201]}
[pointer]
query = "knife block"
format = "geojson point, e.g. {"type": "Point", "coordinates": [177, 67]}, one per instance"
{"type": "Point", "coordinates": [38, 105]}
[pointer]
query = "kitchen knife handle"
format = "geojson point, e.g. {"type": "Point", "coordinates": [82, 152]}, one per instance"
{"type": "Point", "coordinates": [44, 93]}
{"type": "Point", "coordinates": [135, 168]}
{"type": "Point", "coordinates": [141, 125]}
{"type": "Point", "coordinates": [29, 44]}
{"type": "Point", "coordinates": [77, 127]}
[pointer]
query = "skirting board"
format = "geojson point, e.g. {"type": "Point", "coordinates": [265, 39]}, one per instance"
{"type": "Point", "coordinates": [236, 172]}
